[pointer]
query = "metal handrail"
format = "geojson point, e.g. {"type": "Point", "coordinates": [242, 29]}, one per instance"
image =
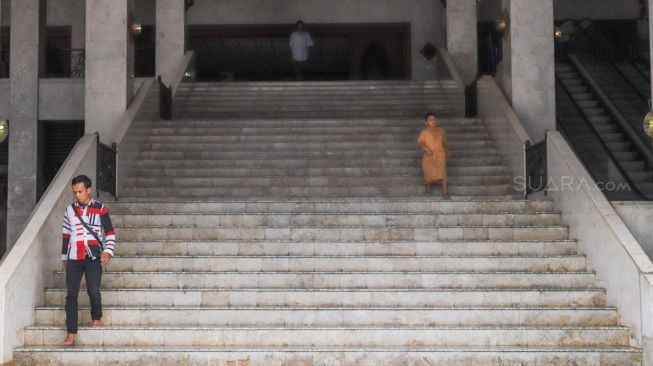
{"type": "Point", "coordinates": [598, 137]}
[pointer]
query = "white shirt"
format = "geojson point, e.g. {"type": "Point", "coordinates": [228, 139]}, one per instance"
{"type": "Point", "coordinates": [299, 44]}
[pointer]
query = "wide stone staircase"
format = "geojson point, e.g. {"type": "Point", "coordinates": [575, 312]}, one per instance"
{"type": "Point", "coordinates": [309, 241]}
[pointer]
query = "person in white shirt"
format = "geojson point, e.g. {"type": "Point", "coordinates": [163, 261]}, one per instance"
{"type": "Point", "coordinates": [300, 42]}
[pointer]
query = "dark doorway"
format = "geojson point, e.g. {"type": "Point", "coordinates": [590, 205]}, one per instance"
{"type": "Point", "coordinates": [375, 64]}
{"type": "Point", "coordinates": [144, 52]}
{"type": "Point", "coordinates": [57, 52]}
{"type": "Point", "coordinates": [56, 140]}
{"type": "Point", "coordinates": [261, 52]}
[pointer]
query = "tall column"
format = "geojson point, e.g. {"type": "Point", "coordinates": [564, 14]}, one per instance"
{"type": "Point", "coordinates": [462, 37]}
{"type": "Point", "coordinates": [528, 70]}
{"type": "Point", "coordinates": [26, 48]}
{"type": "Point", "coordinates": [107, 42]}
{"type": "Point", "coordinates": [170, 36]}
{"type": "Point", "coordinates": [77, 36]}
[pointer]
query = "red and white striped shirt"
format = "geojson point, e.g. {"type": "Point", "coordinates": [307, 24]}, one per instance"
{"type": "Point", "coordinates": [78, 243]}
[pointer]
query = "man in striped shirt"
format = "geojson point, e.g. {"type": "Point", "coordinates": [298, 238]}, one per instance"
{"type": "Point", "coordinates": [88, 244]}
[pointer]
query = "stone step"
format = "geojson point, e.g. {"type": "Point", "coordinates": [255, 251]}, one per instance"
{"type": "Point", "coordinates": [350, 127]}
{"type": "Point", "coordinates": [456, 192]}
{"type": "Point", "coordinates": [303, 146]}
{"type": "Point", "coordinates": [253, 159]}
{"type": "Point", "coordinates": [347, 263]}
{"type": "Point", "coordinates": [307, 92]}
{"type": "Point", "coordinates": [346, 233]}
{"type": "Point", "coordinates": [334, 336]}
{"type": "Point", "coordinates": [342, 356]}
{"type": "Point", "coordinates": [450, 111]}
{"type": "Point", "coordinates": [378, 123]}
{"type": "Point", "coordinates": [343, 198]}
{"type": "Point", "coordinates": [443, 247]}
{"type": "Point", "coordinates": [333, 149]}
{"type": "Point", "coordinates": [236, 220]}
{"type": "Point", "coordinates": [342, 156]}
{"type": "Point", "coordinates": [413, 169]}
{"type": "Point", "coordinates": [342, 297]}
{"type": "Point", "coordinates": [311, 181]}
{"type": "Point", "coordinates": [315, 101]}
{"type": "Point", "coordinates": [266, 205]}
{"type": "Point", "coordinates": [366, 316]}
{"type": "Point", "coordinates": [290, 85]}
{"type": "Point", "coordinates": [301, 90]}
{"type": "Point", "coordinates": [337, 280]}
{"type": "Point", "coordinates": [311, 94]}
{"type": "Point", "coordinates": [407, 138]}
{"type": "Point", "coordinates": [256, 105]}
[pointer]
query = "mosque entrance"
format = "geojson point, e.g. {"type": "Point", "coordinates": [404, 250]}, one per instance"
{"type": "Point", "coordinates": [340, 52]}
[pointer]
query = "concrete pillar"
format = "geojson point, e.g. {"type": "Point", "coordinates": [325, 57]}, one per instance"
{"type": "Point", "coordinates": [527, 73]}
{"type": "Point", "coordinates": [78, 24]}
{"type": "Point", "coordinates": [77, 34]}
{"type": "Point", "coordinates": [26, 47]}
{"type": "Point", "coordinates": [462, 37]}
{"type": "Point", "coordinates": [107, 43]}
{"type": "Point", "coordinates": [170, 36]}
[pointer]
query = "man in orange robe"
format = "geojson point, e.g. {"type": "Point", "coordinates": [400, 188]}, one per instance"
{"type": "Point", "coordinates": [432, 143]}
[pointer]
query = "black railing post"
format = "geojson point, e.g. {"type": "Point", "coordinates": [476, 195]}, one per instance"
{"type": "Point", "coordinates": [106, 168]}
{"type": "Point", "coordinates": [471, 99]}
{"type": "Point", "coordinates": [535, 164]}
{"type": "Point", "coordinates": [165, 100]}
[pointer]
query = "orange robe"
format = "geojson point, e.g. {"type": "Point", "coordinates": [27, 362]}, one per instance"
{"type": "Point", "coordinates": [435, 166]}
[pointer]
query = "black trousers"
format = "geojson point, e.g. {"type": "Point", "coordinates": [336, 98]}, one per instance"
{"type": "Point", "coordinates": [92, 269]}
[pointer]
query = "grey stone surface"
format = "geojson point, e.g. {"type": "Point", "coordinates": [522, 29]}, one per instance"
{"type": "Point", "coordinates": [170, 36]}
{"type": "Point", "coordinates": [61, 99]}
{"type": "Point", "coordinates": [527, 70]}
{"type": "Point", "coordinates": [107, 90]}
{"type": "Point", "coordinates": [26, 55]}
{"type": "Point", "coordinates": [462, 38]}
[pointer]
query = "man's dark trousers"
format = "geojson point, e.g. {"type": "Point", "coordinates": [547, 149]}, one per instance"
{"type": "Point", "coordinates": [92, 269]}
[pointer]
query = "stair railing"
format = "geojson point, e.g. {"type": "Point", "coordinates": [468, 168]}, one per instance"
{"type": "Point", "coordinates": [106, 169]}
{"type": "Point", "coordinates": [535, 167]}
{"type": "Point", "coordinates": [633, 136]}
{"type": "Point", "coordinates": [165, 100]}
{"type": "Point", "coordinates": [603, 144]}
